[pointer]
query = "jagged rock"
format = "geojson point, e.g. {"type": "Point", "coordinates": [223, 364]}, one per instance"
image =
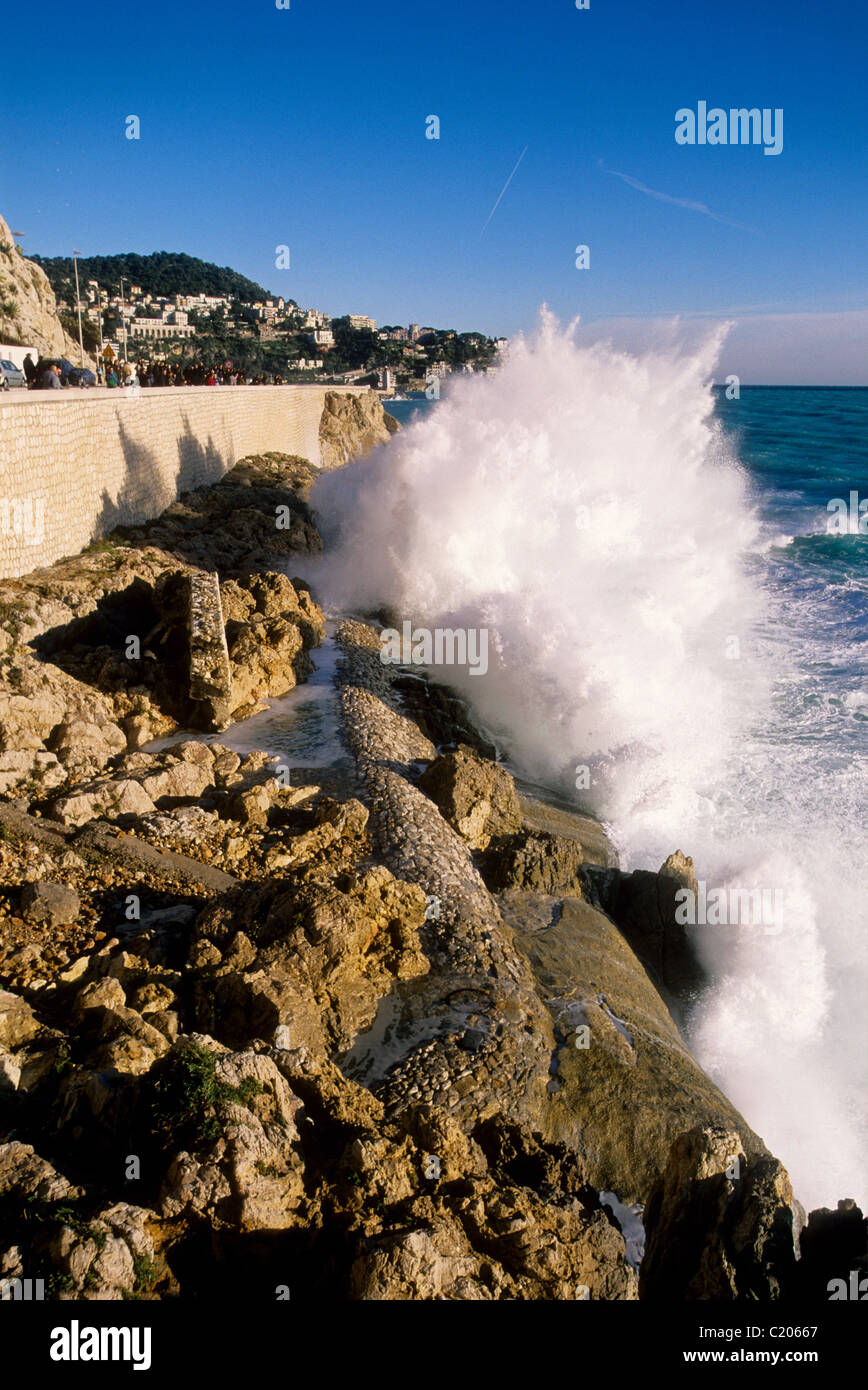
{"type": "Point", "coordinates": [477, 797]}
{"type": "Point", "coordinates": [51, 903]}
{"type": "Point", "coordinates": [37, 769]}
{"type": "Point", "coordinates": [252, 1176]}
{"type": "Point", "coordinates": [543, 863]}
{"type": "Point", "coordinates": [644, 905]}
{"type": "Point", "coordinates": [87, 746]}
{"type": "Point", "coordinates": [106, 799]}
{"type": "Point", "coordinates": [555, 1250]}
{"type": "Point", "coordinates": [32, 317]}
{"type": "Point", "coordinates": [269, 628]}
{"type": "Point", "coordinates": [680, 867]}
{"type": "Point", "coordinates": [432, 1262]}
{"type": "Point", "coordinates": [17, 1021]}
{"type": "Point", "coordinates": [114, 1259]}
{"type": "Point", "coordinates": [351, 426]}
{"type": "Point", "coordinates": [324, 958]}
{"type": "Point", "coordinates": [834, 1250]}
{"type": "Point", "coordinates": [334, 821]}
{"type": "Point", "coordinates": [179, 781]}
{"type": "Point", "coordinates": [719, 1225]}
{"type": "Point", "coordinates": [24, 1174]}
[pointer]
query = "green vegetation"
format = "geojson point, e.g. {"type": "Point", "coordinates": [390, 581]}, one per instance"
{"type": "Point", "coordinates": [89, 331]}
{"type": "Point", "coordinates": [189, 1103]}
{"type": "Point", "coordinates": [146, 1273]}
{"type": "Point", "coordinates": [162, 273]}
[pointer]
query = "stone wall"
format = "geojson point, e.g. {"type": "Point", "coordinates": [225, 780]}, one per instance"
{"type": "Point", "coordinates": [75, 465]}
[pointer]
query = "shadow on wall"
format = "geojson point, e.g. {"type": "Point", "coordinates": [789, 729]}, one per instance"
{"type": "Point", "coordinates": [148, 489]}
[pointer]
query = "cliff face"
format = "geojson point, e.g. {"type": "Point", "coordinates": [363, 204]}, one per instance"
{"type": "Point", "coordinates": [352, 425]}
{"type": "Point", "coordinates": [28, 309]}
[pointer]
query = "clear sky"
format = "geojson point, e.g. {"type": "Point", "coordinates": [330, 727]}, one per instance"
{"type": "Point", "coordinates": [306, 127]}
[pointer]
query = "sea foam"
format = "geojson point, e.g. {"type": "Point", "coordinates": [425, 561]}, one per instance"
{"type": "Point", "coordinates": [583, 504]}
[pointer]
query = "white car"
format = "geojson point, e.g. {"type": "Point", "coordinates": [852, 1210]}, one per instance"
{"type": "Point", "coordinates": [10, 375]}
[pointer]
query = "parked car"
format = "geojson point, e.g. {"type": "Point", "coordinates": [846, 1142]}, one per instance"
{"type": "Point", "coordinates": [44, 363]}
{"type": "Point", "coordinates": [10, 375]}
{"type": "Point", "coordinates": [81, 376]}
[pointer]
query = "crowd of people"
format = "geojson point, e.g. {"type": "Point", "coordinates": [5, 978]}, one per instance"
{"type": "Point", "coordinates": [49, 372]}
{"type": "Point", "coordinates": [161, 373]}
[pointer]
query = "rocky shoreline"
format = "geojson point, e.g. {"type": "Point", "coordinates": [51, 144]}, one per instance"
{"type": "Point", "coordinates": [399, 1033]}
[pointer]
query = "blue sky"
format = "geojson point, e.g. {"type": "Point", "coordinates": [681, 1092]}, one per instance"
{"type": "Point", "coordinates": [262, 127]}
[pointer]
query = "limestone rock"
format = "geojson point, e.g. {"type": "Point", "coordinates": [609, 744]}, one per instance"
{"type": "Point", "coordinates": [324, 958]}
{"type": "Point", "coordinates": [17, 1021]}
{"type": "Point", "coordinates": [25, 1175]}
{"type": "Point", "coordinates": [644, 906]}
{"type": "Point", "coordinates": [431, 1262]}
{"type": "Point", "coordinates": [32, 317]}
{"type": "Point", "coordinates": [719, 1225]}
{"type": "Point", "coordinates": [86, 745]}
{"type": "Point", "coordinates": [834, 1246]}
{"type": "Point", "coordinates": [51, 903]}
{"type": "Point", "coordinates": [618, 1050]}
{"type": "Point", "coordinates": [477, 797]}
{"type": "Point", "coordinates": [351, 426]}
{"type": "Point", "coordinates": [543, 863]}
{"type": "Point", "coordinates": [108, 799]}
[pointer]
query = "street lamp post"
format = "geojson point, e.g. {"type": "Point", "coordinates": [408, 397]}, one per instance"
{"type": "Point", "coordinates": [75, 254]}
{"type": "Point", "coordinates": [101, 363]}
{"type": "Point", "coordinates": [123, 319]}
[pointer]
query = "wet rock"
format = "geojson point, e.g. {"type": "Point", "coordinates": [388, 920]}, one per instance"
{"type": "Point", "coordinates": [618, 1050]}
{"type": "Point", "coordinates": [834, 1254]}
{"type": "Point", "coordinates": [719, 1224]}
{"type": "Point", "coordinates": [542, 863]}
{"type": "Point", "coordinates": [477, 797]}
{"type": "Point", "coordinates": [644, 906]}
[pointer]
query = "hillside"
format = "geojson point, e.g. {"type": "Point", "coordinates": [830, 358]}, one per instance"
{"type": "Point", "coordinates": [161, 273]}
{"type": "Point", "coordinates": [28, 313]}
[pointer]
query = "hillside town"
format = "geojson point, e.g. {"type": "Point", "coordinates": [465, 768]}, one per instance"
{"type": "Point", "coordinates": [129, 325]}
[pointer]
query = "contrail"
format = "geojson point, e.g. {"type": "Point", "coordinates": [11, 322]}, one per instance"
{"type": "Point", "coordinates": [503, 190]}
{"type": "Point", "coordinates": [690, 203]}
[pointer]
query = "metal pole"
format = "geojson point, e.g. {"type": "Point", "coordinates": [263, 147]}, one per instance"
{"type": "Point", "coordinates": [123, 319]}
{"type": "Point", "coordinates": [101, 363]}
{"type": "Point", "coordinates": [78, 309]}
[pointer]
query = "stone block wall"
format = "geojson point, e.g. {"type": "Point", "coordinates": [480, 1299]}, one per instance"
{"type": "Point", "coordinates": [73, 465]}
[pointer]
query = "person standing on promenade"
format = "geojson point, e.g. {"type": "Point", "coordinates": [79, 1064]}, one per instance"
{"type": "Point", "coordinates": [51, 378]}
{"type": "Point", "coordinates": [29, 369]}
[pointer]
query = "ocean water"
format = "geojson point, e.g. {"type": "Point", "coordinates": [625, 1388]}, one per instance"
{"type": "Point", "coordinates": [672, 622]}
